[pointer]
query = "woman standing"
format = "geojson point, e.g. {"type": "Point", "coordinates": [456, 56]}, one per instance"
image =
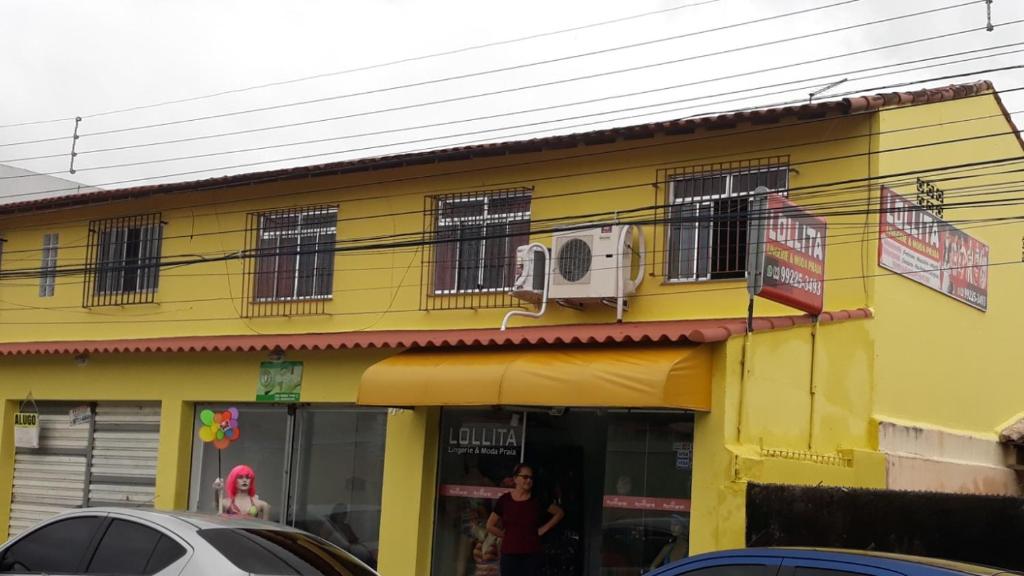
{"type": "Point", "coordinates": [520, 515]}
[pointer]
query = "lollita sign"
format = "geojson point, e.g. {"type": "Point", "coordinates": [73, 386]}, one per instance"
{"type": "Point", "coordinates": [786, 253]}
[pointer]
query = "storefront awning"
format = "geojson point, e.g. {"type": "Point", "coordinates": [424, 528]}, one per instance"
{"type": "Point", "coordinates": [628, 377]}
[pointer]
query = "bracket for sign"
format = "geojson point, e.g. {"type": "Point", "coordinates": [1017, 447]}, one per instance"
{"type": "Point", "coordinates": [28, 400]}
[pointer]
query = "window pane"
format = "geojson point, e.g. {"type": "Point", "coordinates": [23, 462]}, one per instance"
{"type": "Point", "coordinates": [262, 448]}
{"type": "Point", "coordinates": [468, 269]}
{"type": "Point", "coordinates": [699, 186]}
{"type": "Point", "coordinates": [518, 203]}
{"type": "Point", "coordinates": [324, 273]}
{"type": "Point", "coordinates": [773, 179]}
{"type": "Point", "coordinates": [729, 256]}
{"type": "Point", "coordinates": [648, 470]}
{"type": "Point", "coordinates": [167, 552]}
{"type": "Point", "coordinates": [125, 549]}
{"type": "Point", "coordinates": [266, 268]}
{"type": "Point", "coordinates": [682, 241]}
{"type": "Point", "coordinates": [54, 548]}
{"type": "Point", "coordinates": [462, 209]}
{"type": "Point", "coordinates": [287, 262]}
{"type": "Point", "coordinates": [445, 259]}
{"type": "Point", "coordinates": [497, 255]}
{"type": "Point", "coordinates": [307, 266]}
{"type": "Point", "coordinates": [277, 553]}
{"type": "Point", "coordinates": [733, 570]}
{"type": "Point", "coordinates": [339, 474]}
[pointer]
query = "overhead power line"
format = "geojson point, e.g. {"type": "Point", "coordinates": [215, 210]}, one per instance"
{"type": "Point", "coordinates": [368, 67]}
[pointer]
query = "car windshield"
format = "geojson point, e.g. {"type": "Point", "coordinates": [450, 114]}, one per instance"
{"type": "Point", "coordinates": [283, 553]}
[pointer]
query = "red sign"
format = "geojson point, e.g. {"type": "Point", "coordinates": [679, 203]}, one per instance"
{"type": "Point", "coordinates": [463, 491]}
{"type": "Point", "coordinates": [916, 244]}
{"type": "Point", "coordinates": [645, 503]}
{"type": "Point", "coordinates": [793, 241]}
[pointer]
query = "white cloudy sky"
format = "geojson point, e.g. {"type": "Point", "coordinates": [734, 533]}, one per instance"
{"type": "Point", "coordinates": [64, 58]}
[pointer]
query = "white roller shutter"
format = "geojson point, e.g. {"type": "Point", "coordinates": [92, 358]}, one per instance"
{"type": "Point", "coordinates": [125, 443]}
{"type": "Point", "coordinates": [51, 478]}
{"type": "Point", "coordinates": [114, 455]}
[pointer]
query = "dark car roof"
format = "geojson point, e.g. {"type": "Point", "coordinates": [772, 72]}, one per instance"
{"type": "Point", "coordinates": [895, 562]}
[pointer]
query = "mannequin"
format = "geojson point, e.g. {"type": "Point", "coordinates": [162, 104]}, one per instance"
{"type": "Point", "coordinates": [241, 500]}
{"type": "Point", "coordinates": [678, 549]}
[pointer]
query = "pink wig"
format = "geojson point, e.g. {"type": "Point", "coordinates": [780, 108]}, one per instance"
{"type": "Point", "coordinates": [232, 483]}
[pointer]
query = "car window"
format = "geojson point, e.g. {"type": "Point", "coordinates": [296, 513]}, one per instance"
{"type": "Point", "coordinates": [731, 570]}
{"type": "Point", "coordinates": [132, 549]}
{"type": "Point", "coordinates": [55, 548]}
{"type": "Point", "coordinates": [817, 571]}
{"type": "Point", "coordinates": [281, 553]}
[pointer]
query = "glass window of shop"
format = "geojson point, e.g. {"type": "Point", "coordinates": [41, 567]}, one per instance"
{"type": "Point", "coordinates": [622, 478]}
{"type": "Point", "coordinates": [320, 468]}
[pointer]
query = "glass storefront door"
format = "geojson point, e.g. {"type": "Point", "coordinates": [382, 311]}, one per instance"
{"type": "Point", "coordinates": [622, 478]}
{"type": "Point", "coordinates": [320, 468]}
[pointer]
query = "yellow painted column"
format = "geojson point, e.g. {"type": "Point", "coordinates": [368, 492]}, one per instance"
{"type": "Point", "coordinates": [407, 502]}
{"type": "Point", "coordinates": [7, 410]}
{"type": "Point", "coordinates": [174, 455]}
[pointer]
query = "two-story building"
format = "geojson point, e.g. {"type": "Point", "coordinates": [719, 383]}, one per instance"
{"type": "Point", "coordinates": [337, 328]}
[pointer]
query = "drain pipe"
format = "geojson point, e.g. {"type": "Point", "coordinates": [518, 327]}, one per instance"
{"type": "Point", "coordinates": [535, 246]}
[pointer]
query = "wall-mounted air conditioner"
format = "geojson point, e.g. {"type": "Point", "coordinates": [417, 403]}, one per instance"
{"type": "Point", "coordinates": [593, 264]}
{"type": "Point", "coordinates": [531, 273]}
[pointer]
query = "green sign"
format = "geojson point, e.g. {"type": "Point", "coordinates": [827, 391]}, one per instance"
{"type": "Point", "coordinates": [279, 382]}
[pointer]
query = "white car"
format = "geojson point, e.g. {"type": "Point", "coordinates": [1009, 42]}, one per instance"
{"type": "Point", "coordinates": [128, 542]}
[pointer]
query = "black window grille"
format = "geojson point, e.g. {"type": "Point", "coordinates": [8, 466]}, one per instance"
{"type": "Point", "coordinates": [289, 270]}
{"type": "Point", "coordinates": [706, 216]}
{"type": "Point", "coordinates": [123, 261]}
{"type": "Point", "coordinates": [471, 240]}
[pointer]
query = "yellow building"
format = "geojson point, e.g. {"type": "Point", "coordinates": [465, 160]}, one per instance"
{"type": "Point", "coordinates": [351, 314]}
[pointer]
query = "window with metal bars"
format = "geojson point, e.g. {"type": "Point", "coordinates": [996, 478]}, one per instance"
{"type": "Point", "coordinates": [291, 270]}
{"type": "Point", "coordinates": [48, 265]}
{"type": "Point", "coordinates": [707, 221]}
{"type": "Point", "coordinates": [474, 237]}
{"type": "Point", "coordinates": [123, 260]}
{"type": "Point", "coordinates": [478, 237]}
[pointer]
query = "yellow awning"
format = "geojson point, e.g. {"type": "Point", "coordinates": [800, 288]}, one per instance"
{"type": "Point", "coordinates": [626, 377]}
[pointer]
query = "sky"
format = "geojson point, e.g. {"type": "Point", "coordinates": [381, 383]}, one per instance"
{"type": "Point", "coordinates": [339, 80]}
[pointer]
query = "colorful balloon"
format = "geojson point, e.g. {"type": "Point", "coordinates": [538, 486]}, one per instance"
{"type": "Point", "coordinates": [234, 413]}
{"type": "Point", "coordinates": [206, 434]}
{"type": "Point", "coordinates": [206, 417]}
{"type": "Point", "coordinates": [219, 427]}
{"type": "Point", "coordinates": [221, 443]}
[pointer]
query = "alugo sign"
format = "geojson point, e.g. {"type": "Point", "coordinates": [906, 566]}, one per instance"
{"type": "Point", "coordinates": [918, 245]}
{"type": "Point", "coordinates": [786, 256]}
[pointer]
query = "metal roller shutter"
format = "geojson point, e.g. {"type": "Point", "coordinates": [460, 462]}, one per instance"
{"type": "Point", "coordinates": [125, 443]}
{"type": "Point", "coordinates": [51, 478]}
{"type": "Point", "coordinates": [114, 456]}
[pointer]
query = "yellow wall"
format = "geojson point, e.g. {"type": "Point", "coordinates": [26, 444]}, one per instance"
{"type": "Point", "coordinates": [785, 412]}
{"type": "Point", "coordinates": [939, 362]}
{"type": "Point", "coordinates": [177, 381]}
{"type": "Point", "coordinates": [382, 290]}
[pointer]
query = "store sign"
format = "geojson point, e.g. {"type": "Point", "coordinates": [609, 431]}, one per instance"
{"type": "Point", "coordinates": [26, 430]}
{"type": "Point", "coordinates": [79, 415]}
{"type": "Point", "coordinates": [917, 244]}
{"type": "Point", "coordinates": [787, 254]}
{"type": "Point", "coordinates": [645, 503]}
{"type": "Point", "coordinates": [279, 382]}
{"type": "Point", "coordinates": [487, 438]}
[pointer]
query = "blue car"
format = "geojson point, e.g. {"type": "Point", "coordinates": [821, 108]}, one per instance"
{"type": "Point", "coordinates": [818, 562]}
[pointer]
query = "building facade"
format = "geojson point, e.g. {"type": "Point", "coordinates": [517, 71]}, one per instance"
{"type": "Point", "coordinates": [337, 328]}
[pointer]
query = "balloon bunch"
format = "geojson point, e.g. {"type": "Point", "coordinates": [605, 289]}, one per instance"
{"type": "Point", "coordinates": [221, 428]}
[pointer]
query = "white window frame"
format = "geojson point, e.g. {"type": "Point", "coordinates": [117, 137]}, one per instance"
{"type": "Point", "coordinates": [706, 203]}
{"type": "Point", "coordinates": [298, 231]}
{"type": "Point", "coordinates": [48, 264]}
{"type": "Point", "coordinates": [483, 220]}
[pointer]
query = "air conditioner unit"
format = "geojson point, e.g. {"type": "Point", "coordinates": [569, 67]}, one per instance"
{"type": "Point", "coordinates": [531, 272]}
{"type": "Point", "coordinates": [594, 264]}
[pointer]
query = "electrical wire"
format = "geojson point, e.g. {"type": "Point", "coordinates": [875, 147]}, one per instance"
{"type": "Point", "coordinates": [365, 68]}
